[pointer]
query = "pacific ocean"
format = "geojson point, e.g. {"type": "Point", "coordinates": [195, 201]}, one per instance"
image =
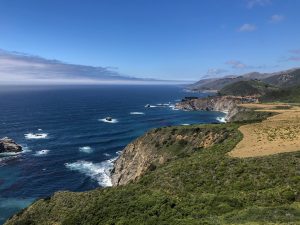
{"type": "Point", "coordinates": [68, 144]}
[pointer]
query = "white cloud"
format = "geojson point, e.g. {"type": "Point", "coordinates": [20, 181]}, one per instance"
{"type": "Point", "coordinates": [236, 64]}
{"type": "Point", "coordinates": [276, 18]}
{"type": "Point", "coordinates": [295, 51]}
{"type": "Point", "coordinates": [247, 28]}
{"type": "Point", "coordinates": [253, 3]}
{"type": "Point", "coordinates": [215, 71]}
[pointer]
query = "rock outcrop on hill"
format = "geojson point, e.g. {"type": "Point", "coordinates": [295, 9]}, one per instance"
{"type": "Point", "coordinates": [159, 146]}
{"type": "Point", "coordinates": [8, 145]}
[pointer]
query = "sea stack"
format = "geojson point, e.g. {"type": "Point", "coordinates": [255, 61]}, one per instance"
{"type": "Point", "coordinates": [8, 145]}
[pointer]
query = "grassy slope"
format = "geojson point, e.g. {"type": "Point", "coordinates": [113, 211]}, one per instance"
{"type": "Point", "coordinates": [204, 187]}
{"type": "Point", "coordinates": [291, 95]}
{"type": "Point", "coordinates": [244, 88]}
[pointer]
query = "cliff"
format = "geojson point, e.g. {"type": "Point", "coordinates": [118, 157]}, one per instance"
{"type": "Point", "coordinates": [160, 146]}
{"type": "Point", "coordinates": [8, 145]}
{"type": "Point", "coordinates": [227, 104]}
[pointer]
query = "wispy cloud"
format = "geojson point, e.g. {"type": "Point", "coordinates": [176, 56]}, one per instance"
{"type": "Point", "coordinates": [22, 68]}
{"type": "Point", "coordinates": [247, 28]}
{"type": "Point", "coordinates": [235, 64]}
{"type": "Point", "coordinates": [214, 72]}
{"type": "Point", "coordinates": [295, 51]}
{"type": "Point", "coordinates": [276, 18]}
{"type": "Point", "coordinates": [252, 3]}
{"type": "Point", "coordinates": [294, 58]}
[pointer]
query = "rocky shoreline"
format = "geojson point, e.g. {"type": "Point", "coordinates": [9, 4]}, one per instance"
{"type": "Point", "coordinates": [226, 104]}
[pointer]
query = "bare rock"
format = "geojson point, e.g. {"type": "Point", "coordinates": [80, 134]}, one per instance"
{"type": "Point", "coordinates": [8, 145]}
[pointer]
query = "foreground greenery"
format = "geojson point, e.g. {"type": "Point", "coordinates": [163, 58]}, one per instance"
{"type": "Point", "coordinates": [205, 186]}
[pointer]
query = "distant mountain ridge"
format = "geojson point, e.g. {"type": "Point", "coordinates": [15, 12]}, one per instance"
{"type": "Point", "coordinates": [284, 78]}
{"type": "Point", "coordinates": [248, 88]}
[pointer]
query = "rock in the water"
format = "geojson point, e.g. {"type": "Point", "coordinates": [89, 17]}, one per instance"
{"type": "Point", "coordinates": [9, 145]}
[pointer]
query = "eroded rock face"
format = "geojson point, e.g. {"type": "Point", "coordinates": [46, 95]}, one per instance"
{"type": "Point", "coordinates": [160, 146]}
{"type": "Point", "coordinates": [227, 104]}
{"type": "Point", "coordinates": [8, 145]}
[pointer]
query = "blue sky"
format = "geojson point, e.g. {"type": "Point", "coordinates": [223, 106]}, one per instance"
{"type": "Point", "coordinates": [164, 39]}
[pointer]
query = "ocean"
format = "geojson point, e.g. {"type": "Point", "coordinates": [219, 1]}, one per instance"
{"type": "Point", "coordinates": [68, 144]}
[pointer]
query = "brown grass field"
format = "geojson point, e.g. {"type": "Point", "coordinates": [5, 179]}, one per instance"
{"type": "Point", "coordinates": [277, 134]}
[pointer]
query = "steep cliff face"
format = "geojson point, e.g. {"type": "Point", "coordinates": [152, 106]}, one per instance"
{"type": "Point", "coordinates": [227, 104]}
{"type": "Point", "coordinates": [159, 146]}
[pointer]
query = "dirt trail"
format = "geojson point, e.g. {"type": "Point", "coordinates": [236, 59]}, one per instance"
{"type": "Point", "coordinates": [277, 134]}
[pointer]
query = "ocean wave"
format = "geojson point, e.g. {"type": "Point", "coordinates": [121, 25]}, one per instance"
{"type": "Point", "coordinates": [185, 124]}
{"type": "Point", "coordinates": [96, 171]}
{"type": "Point", "coordinates": [86, 149]}
{"type": "Point", "coordinates": [109, 121]}
{"type": "Point", "coordinates": [36, 135]}
{"type": "Point", "coordinates": [137, 113]}
{"type": "Point", "coordinates": [221, 119]}
{"type": "Point", "coordinates": [42, 152]}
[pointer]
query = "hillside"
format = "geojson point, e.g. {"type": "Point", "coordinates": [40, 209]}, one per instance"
{"type": "Point", "coordinates": [291, 94]}
{"type": "Point", "coordinates": [247, 88]}
{"type": "Point", "coordinates": [284, 78]}
{"type": "Point", "coordinates": [196, 184]}
{"type": "Point", "coordinates": [214, 84]}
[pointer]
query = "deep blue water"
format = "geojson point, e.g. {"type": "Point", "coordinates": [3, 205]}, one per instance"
{"type": "Point", "coordinates": [78, 144]}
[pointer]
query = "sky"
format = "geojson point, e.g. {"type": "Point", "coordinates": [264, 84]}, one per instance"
{"type": "Point", "coordinates": [160, 39]}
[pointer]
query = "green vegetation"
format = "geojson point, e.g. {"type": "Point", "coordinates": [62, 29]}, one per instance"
{"type": "Point", "coordinates": [289, 95]}
{"type": "Point", "coordinates": [250, 115]}
{"type": "Point", "coordinates": [205, 186]}
{"type": "Point", "coordinates": [246, 88]}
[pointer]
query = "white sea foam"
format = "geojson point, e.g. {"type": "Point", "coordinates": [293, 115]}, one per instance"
{"type": "Point", "coordinates": [36, 135]}
{"type": "Point", "coordinates": [221, 119]}
{"type": "Point", "coordinates": [106, 154]}
{"type": "Point", "coordinates": [42, 152]}
{"type": "Point", "coordinates": [109, 121]}
{"type": "Point", "coordinates": [25, 149]}
{"type": "Point", "coordinates": [97, 171]}
{"type": "Point", "coordinates": [86, 149]}
{"type": "Point", "coordinates": [40, 129]}
{"type": "Point", "coordinates": [137, 113]}
{"type": "Point", "coordinates": [10, 153]}
{"type": "Point", "coordinates": [185, 124]}
{"type": "Point", "coordinates": [119, 152]}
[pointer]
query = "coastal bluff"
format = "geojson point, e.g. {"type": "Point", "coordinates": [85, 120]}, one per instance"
{"type": "Point", "coordinates": [8, 145]}
{"type": "Point", "coordinates": [159, 146]}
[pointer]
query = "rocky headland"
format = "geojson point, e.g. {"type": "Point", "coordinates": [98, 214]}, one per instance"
{"type": "Point", "coordinates": [226, 104]}
{"type": "Point", "coordinates": [8, 145]}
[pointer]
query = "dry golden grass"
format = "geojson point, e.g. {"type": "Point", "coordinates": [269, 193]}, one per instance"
{"type": "Point", "coordinates": [277, 134]}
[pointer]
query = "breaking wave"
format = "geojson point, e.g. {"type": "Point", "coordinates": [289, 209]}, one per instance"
{"type": "Point", "coordinates": [96, 171]}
